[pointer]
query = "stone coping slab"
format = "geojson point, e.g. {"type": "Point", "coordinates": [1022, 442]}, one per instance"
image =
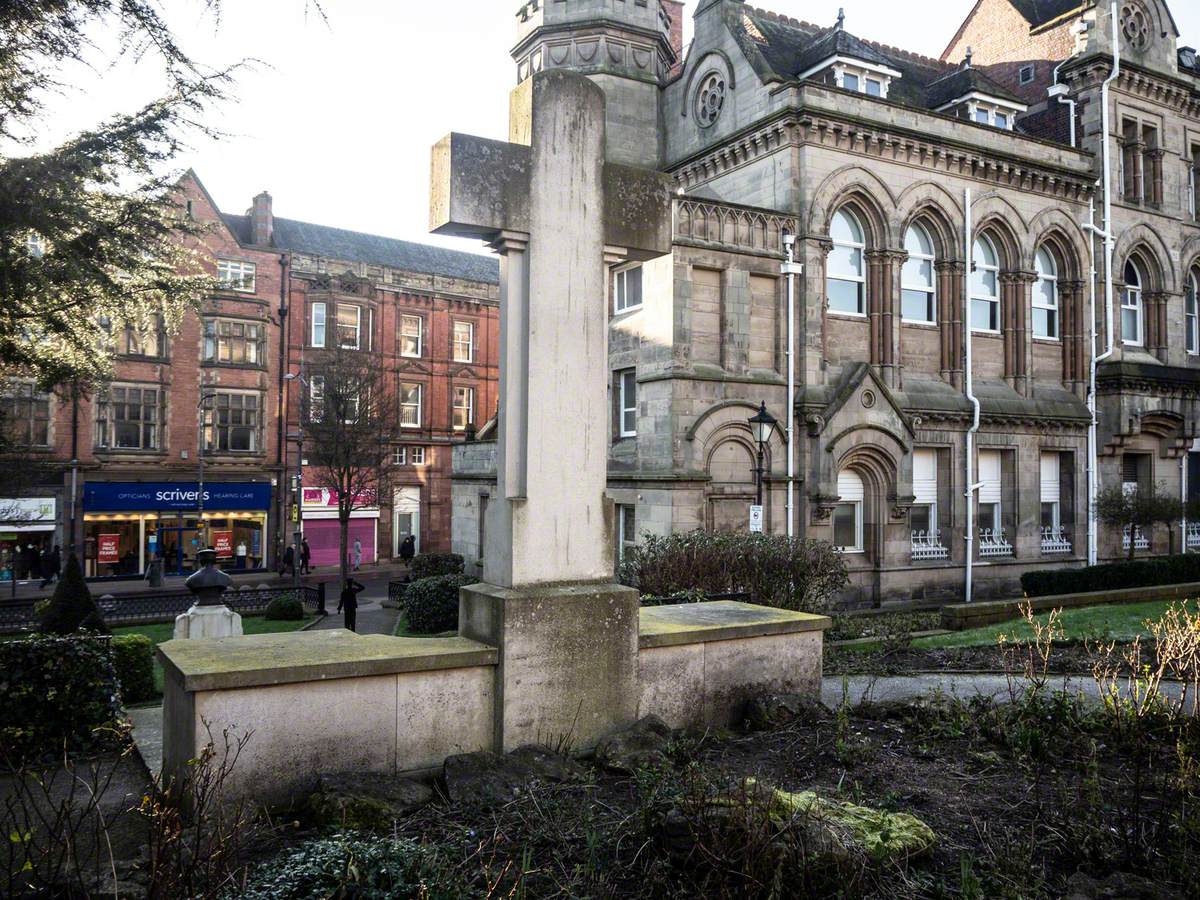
{"type": "Point", "coordinates": [273, 659]}
{"type": "Point", "coordinates": [720, 620]}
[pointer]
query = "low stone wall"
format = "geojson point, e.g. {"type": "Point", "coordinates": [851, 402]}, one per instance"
{"type": "Point", "coordinates": [698, 664]}
{"type": "Point", "coordinates": [961, 616]}
{"type": "Point", "coordinates": [324, 701]}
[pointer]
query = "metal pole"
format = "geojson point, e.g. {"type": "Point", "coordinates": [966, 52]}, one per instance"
{"type": "Point", "coordinates": [759, 472]}
{"type": "Point", "coordinates": [299, 505]}
{"type": "Point", "coordinates": [201, 536]}
{"type": "Point", "coordinates": [791, 268]}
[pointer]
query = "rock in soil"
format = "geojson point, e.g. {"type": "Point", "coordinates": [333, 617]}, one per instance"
{"type": "Point", "coordinates": [641, 746]}
{"type": "Point", "coordinates": [769, 712]}
{"type": "Point", "coordinates": [365, 800]}
{"type": "Point", "coordinates": [488, 779]}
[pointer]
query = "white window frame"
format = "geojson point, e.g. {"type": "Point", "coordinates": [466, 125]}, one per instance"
{"type": "Point", "coordinates": [211, 415]}
{"type": "Point", "coordinates": [412, 404]}
{"type": "Point", "coordinates": [457, 344]}
{"type": "Point", "coordinates": [316, 398]}
{"type": "Point", "coordinates": [1032, 73]}
{"type": "Point", "coordinates": [1131, 301]}
{"type": "Point", "coordinates": [1050, 278]}
{"type": "Point", "coordinates": [627, 405]}
{"type": "Point", "coordinates": [1191, 313]}
{"type": "Point", "coordinates": [357, 326]}
{"type": "Point", "coordinates": [237, 275]}
{"type": "Point", "coordinates": [399, 456]}
{"type": "Point", "coordinates": [417, 455]}
{"type": "Point", "coordinates": [857, 506]}
{"type": "Point", "coordinates": [860, 279]}
{"type": "Point", "coordinates": [467, 409]}
{"type": "Point", "coordinates": [405, 336]}
{"type": "Point", "coordinates": [930, 289]}
{"type": "Point", "coordinates": [994, 299]}
{"type": "Point", "coordinates": [621, 302]}
{"type": "Point", "coordinates": [318, 315]}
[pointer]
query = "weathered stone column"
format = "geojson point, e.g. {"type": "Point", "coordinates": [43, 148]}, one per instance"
{"type": "Point", "coordinates": [950, 320]}
{"type": "Point", "coordinates": [1155, 312]}
{"type": "Point", "coordinates": [1015, 297]}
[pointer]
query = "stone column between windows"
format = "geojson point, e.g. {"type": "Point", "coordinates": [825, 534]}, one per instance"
{"type": "Point", "coordinates": [881, 310]}
{"type": "Point", "coordinates": [1073, 333]}
{"type": "Point", "coordinates": [1155, 313]}
{"type": "Point", "coordinates": [1155, 176]}
{"type": "Point", "coordinates": [513, 453]}
{"type": "Point", "coordinates": [815, 308]}
{"type": "Point", "coordinates": [1016, 295]}
{"type": "Point", "coordinates": [950, 320]}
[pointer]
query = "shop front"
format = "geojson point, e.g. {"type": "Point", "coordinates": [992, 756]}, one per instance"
{"type": "Point", "coordinates": [127, 524]}
{"type": "Point", "coordinates": [323, 531]}
{"type": "Point", "coordinates": [27, 529]}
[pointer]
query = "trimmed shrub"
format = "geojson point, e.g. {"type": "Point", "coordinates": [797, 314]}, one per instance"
{"type": "Point", "coordinates": [1180, 569]}
{"type": "Point", "coordinates": [427, 565]}
{"type": "Point", "coordinates": [72, 608]}
{"type": "Point", "coordinates": [775, 570]}
{"type": "Point", "coordinates": [133, 659]}
{"type": "Point", "coordinates": [284, 609]}
{"type": "Point", "coordinates": [431, 604]}
{"type": "Point", "coordinates": [56, 693]}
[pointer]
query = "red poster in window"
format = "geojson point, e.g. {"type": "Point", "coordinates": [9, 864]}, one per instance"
{"type": "Point", "coordinates": [222, 542]}
{"type": "Point", "coordinates": [108, 549]}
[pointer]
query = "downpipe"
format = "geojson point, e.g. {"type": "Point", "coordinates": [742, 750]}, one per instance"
{"type": "Point", "coordinates": [969, 390]}
{"type": "Point", "coordinates": [789, 269]}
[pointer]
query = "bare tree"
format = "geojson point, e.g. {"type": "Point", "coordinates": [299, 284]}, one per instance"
{"type": "Point", "coordinates": [1138, 509]}
{"type": "Point", "coordinates": [352, 418]}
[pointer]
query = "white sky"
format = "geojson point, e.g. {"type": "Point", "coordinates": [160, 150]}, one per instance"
{"type": "Point", "coordinates": [338, 121]}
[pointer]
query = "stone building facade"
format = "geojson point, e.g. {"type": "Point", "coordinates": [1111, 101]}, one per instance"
{"type": "Point", "coordinates": [428, 314]}
{"type": "Point", "coordinates": [874, 159]}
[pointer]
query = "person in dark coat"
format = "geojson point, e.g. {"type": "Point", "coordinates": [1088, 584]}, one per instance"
{"type": "Point", "coordinates": [305, 557]}
{"type": "Point", "coordinates": [288, 565]}
{"type": "Point", "coordinates": [51, 566]}
{"type": "Point", "coordinates": [408, 549]}
{"type": "Point", "coordinates": [349, 601]}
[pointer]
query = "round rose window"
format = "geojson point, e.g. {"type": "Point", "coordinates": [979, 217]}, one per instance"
{"type": "Point", "coordinates": [710, 98]}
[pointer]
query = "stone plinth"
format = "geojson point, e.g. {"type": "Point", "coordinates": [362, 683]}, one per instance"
{"type": "Point", "coordinates": [208, 622]}
{"type": "Point", "coordinates": [699, 663]}
{"type": "Point", "coordinates": [567, 659]}
{"type": "Point", "coordinates": [320, 702]}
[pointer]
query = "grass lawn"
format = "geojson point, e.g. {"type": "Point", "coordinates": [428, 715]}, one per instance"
{"type": "Point", "coordinates": [1123, 622]}
{"type": "Point", "coordinates": [165, 631]}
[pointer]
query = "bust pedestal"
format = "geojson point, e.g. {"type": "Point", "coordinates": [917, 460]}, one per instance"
{"type": "Point", "coordinates": [208, 617]}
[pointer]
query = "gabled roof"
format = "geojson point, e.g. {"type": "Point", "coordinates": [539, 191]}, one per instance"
{"type": "Point", "coordinates": [355, 246]}
{"type": "Point", "coordinates": [838, 42]}
{"type": "Point", "coordinates": [964, 81]}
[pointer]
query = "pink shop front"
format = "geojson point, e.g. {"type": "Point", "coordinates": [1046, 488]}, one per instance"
{"type": "Point", "coordinates": [324, 536]}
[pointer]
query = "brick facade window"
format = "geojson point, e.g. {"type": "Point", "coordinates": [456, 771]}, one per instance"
{"type": "Point", "coordinates": [316, 315]}
{"type": "Point", "coordinates": [25, 415]}
{"type": "Point", "coordinates": [236, 275]}
{"type": "Point", "coordinates": [151, 343]}
{"type": "Point", "coordinates": [412, 336]}
{"type": "Point", "coordinates": [127, 418]}
{"type": "Point", "coordinates": [234, 423]}
{"type": "Point", "coordinates": [349, 326]}
{"type": "Point", "coordinates": [464, 342]}
{"type": "Point", "coordinates": [410, 405]}
{"type": "Point", "coordinates": [233, 342]}
{"type": "Point", "coordinates": [464, 408]}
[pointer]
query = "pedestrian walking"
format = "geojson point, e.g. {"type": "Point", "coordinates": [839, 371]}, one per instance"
{"type": "Point", "coordinates": [288, 565]}
{"type": "Point", "coordinates": [305, 557]}
{"type": "Point", "coordinates": [357, 554]}
{"type": "Point", "coordinates": [51, 566]}
{"type": "Point", "coordinates": [408, 549]}
{"type": "Point", "coordinates": [349, 601]}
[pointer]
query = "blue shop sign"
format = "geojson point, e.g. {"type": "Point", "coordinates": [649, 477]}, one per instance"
{"type": "Point", "coordinates": [151, 496]}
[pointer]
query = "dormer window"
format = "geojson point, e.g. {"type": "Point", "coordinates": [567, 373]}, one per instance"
{"type": "Point", "coordinates": [984, 109]}
{"type": "Point", "coordinates": [858, 76]}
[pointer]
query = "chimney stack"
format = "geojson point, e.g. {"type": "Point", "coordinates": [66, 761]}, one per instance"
{"type": "Point", "coordinates": [674, 9]}
{"type": "Point", "coordinates": [262, 222]}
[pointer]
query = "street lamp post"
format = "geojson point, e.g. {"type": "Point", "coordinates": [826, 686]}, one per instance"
{"type": "Point", "coordinates": [298, 436]}
{"type": "Point", "coordinates": [762, 423]}
{"type": "Point", "coordinates": [201, 529]}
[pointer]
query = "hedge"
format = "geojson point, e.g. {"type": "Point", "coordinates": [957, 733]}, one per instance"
{"type": "Point", "coordinates": [133, 659]}
{"type": "Point", "coordinates": [284, 609]}
{"type": "Point", "coordinates": [57, 693]}
{"type": "Point", "coordinates": [1180, 569]}
{"type": "Point", "coordinates": [431, 604]}
{"type": "Point", "coordinates": [71, 608]}
{"type": "Point", "coordinates": [428, 565]}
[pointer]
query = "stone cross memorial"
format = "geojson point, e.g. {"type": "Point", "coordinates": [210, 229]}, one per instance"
{"type": "Point", "coordinates": [559, 216]}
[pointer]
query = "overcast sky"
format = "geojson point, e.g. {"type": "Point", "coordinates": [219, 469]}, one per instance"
{"type": "Point", "coordinates": [338, 119]}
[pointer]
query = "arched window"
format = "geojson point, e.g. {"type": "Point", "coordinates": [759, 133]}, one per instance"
{"type": "Point", "coordinates": [1132, 317]}
{"type": "Point", "coordinates": [848, 514]}
{"type": "Point", "coordinates": [847, 283]}
{"type": "Point", "coordinates": [985, 286]}
{"type": "Point", "coordinates": [918, 295]}
{"type": "Point", "coordinates": [1045, 296]}
{"type": "Point", "coordinates": [1191, 314]}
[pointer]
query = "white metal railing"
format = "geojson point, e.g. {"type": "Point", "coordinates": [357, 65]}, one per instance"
{"type": "Point", "coordinates": [1055, 540]}
{"type": "Point", "coordinates": [1140, 541]}
{"type": "Point", "coordinates": [993, 543]}
{"type": "Point", "coordinates": [928, 545]}
{"type": "Point", "coordinates": [1193, 536]}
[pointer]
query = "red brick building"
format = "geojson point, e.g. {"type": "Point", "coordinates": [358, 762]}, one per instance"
{"type": "Point", "coordinates": [431, 314]}
{"type": "Point", "coordinates": [431, 317]}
